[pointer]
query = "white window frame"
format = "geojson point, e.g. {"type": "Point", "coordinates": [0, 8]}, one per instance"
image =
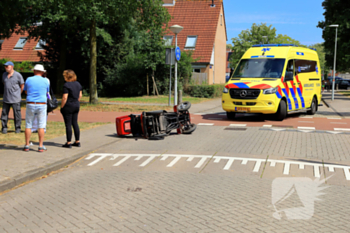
{"type": "Point", "coordinates": [38, 47]}
{"type": "Point", "coordinates": [167, 39]}
{"type": "Point", "coordinates": [169, 4]}
{"type": "Point", "coordinates": [18, 45]}
{"type": "Point", "coordinates": [195, 42]}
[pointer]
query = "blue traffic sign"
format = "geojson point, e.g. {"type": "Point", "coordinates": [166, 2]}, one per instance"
{"type": "Point", "coordinates": [177, 53]}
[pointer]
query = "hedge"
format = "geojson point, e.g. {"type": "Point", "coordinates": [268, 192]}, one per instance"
{"type": "Point", "coordinates": [204, 90]}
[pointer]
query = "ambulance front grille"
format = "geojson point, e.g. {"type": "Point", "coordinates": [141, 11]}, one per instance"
{"type": "Point", "coordinates": [244, 93]}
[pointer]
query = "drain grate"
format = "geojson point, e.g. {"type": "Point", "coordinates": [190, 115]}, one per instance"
{"type": "Point", "coordinates": [238, 129]}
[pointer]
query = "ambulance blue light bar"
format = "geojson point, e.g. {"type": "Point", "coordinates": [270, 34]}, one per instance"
{"type": "Point", "coordinates": [274, 45]}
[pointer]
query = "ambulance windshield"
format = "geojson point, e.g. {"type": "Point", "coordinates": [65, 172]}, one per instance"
{"type": "Point", "coordinates": [260, 68]}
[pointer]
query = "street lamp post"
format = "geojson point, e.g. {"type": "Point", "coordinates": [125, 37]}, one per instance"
{"type": "Point", "coordinates": [176, 29]}
{"type": "Point", "coordinates": [335, 56]}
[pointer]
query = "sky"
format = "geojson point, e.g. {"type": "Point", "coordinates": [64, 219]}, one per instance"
{"type": "Point", "coordinates": [297, 18]}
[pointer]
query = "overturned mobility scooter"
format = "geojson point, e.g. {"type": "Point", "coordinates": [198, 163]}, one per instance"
{"type": "Point", "coordinates": [155, 125]}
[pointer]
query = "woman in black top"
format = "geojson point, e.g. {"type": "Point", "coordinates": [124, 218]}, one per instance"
{"type": "Point", "coordinates": [72, 92]}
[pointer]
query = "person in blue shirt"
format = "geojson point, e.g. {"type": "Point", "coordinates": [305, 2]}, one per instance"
{"type": "Point", "coordinates": [36, 89]}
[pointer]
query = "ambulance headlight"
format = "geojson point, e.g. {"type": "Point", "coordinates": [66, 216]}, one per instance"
{"type": "Point", "coordinates": [270, 90]}
{"type": "Point", "coordinates": [225, 90]}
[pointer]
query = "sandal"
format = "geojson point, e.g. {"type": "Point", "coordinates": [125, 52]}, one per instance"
{"type": "Point", "coordinates": [26, 148]}
{"type": "Point", "coordinates": [42, 149]}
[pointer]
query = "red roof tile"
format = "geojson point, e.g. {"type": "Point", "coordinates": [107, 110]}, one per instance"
{"type": "Point", "coordinates": [28, 53]}
{"type": "Point", "coordinates": [198, 19]}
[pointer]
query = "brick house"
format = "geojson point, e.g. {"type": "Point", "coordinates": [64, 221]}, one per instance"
{"type": "Point", "coordinates": [18, 49]}
{"type": "Point", "coordinates": [204, 33]}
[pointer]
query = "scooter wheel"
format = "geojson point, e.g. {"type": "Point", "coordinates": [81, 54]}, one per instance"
{"type": "Point", "coordinates": [189, 129]}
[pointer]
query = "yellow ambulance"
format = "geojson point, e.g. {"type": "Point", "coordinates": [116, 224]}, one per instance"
{"type": "Point", "coordinates": [274, 79]}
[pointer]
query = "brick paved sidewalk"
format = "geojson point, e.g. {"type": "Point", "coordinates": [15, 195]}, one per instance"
{"type": "Point", "coordinates": [17, 166]}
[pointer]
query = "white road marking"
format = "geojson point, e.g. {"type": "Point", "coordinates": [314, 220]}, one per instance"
{"type": "Point", "coordinates": [286, 168]}
{"type": "Point", "coordinates": [306, 117]}
{"type": "Point", "coordinates": [99, 159]}
{"type": "Point", "coordinates": [257, 166]}
{"type": "Point", "coordinates": [177, 158]}
{"type": "Point", "coordinates": [333, 132]}
{"type": "Point", "coordinates": [229, 161]}
{"type": "Point", "coordinates": [347, 173]}
{"type": "Point", "coordinates": [305, 131]}
{"type": "Point", "coordinates": [340, 123]}
{"type": "Point", "coordinates": [306, 121]}
{"type": "Point", "coordinates": [306, 128]}
{"type": "Point", "coordinates": [317, 171]}
{"type": "Point", "coordinates": [205, 124]}
{"type": "Point", "coordinates": [121, 161]}
{"type": "Point", "coordinates": [238, 125]}
{"type": "Point", "coordinates": [200, 163]}
{"type": "Point", "coordinates": [333, 118]}
{"type": "Point", "coordinates": [341, 129]}
{"type": "Point", "coordinates": [278, 129]}
{"type": "Point", "coordinates": [147, 161]}
{"type": "Point", "coordinates": [267, 125]}
{"type": "Point", "coordinates": [214, 118]}
{"type": "Point", "coordinates": [229, 164]}
{"type": "Point", "coordinates": [244, 161]}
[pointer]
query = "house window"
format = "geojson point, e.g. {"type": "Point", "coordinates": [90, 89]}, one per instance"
{"type": "Point", "coordinates": [1, 41]}
{"type": "Point", "coordinates": [168, 40]}
{"type": "Point", "coordinates": [197, 70]}
{"type": "Point", "coordinates": [21, 42]}
{"type": "Point", "coordinates": [191, 42]}
{"type": "Point", "coordinates": [40, 44]}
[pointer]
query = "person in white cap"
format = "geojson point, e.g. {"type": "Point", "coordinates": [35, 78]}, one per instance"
{"type": "Point", "coordinates": [36, 89]}
{"type": "Point", "coordinates": [13, 87]}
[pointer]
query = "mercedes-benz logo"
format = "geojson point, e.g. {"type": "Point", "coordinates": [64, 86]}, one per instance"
{"type": "Point", "coordinates": [243, 93]}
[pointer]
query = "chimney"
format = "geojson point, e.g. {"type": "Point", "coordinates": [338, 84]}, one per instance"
{"type": "Point", "coordinates": [212, 5]}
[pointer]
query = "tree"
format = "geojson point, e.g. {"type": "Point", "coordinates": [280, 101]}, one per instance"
{"type": "Point", "coordinates": [91, 16]}
{"type": "Point", "coordinates": [321, 55]}
{"type": "Point", "coordinates": [336, 12]}
{"type": "Point", "coordinates": [252, 36]}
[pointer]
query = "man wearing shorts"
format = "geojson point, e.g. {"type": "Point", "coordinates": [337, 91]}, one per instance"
{"type": "Point", "coordinates": [36, 89]}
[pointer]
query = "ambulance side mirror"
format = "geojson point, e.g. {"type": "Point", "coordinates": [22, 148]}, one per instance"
{"type": "Point", "coordinates": [289, 76]}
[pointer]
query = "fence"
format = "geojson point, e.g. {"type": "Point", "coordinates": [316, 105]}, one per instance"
{"type": "Point", "coordinates": [199, 78]}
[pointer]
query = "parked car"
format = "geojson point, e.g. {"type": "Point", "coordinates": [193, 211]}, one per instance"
{"type": "Point", "coordinates": [344, 84]}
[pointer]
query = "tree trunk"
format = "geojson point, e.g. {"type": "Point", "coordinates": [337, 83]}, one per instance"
{"type": "Point", "coordinates": [62, 66]}
{"type": "Point", "coordinates": [93, 61]}
{"type": "Point", "coordinates": [147, 85]}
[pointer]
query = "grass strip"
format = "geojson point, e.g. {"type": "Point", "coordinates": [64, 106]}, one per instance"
{"type": "Point", "coordinates": [53, 130]}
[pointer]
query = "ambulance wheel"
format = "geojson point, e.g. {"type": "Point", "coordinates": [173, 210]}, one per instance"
{"type": "Point", "coordinates": [313, 107]}
{"type": "Point", "coordinates": [282, 111]}
{"type": "Point", "coordinates": [231, 115]}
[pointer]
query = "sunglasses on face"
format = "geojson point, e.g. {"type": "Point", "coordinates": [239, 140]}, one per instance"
{"type": "Point", "coordinates": [5, 66]}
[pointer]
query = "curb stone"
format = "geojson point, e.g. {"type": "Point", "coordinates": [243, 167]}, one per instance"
{"type": "Point", "coordinates": [38, 172]}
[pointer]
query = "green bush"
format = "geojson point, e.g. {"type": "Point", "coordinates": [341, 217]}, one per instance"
{"type": "Point", "coordinates": [205, 90]}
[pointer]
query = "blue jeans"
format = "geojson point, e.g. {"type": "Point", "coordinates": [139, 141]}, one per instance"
{"type": "Point", "coordinates": [36, 110]}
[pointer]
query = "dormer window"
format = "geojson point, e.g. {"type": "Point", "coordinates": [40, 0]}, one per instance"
{"type": "Point", "coordinates": [21, 42]}
{"type": "Point", "coordinates": [40, 44]}
{"type": "Point", "coordinates": [168, 40]}
{"type": "Point", "coordinates": [191, 42]}
{"type": "Point", "coordinates": [169, 2]}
